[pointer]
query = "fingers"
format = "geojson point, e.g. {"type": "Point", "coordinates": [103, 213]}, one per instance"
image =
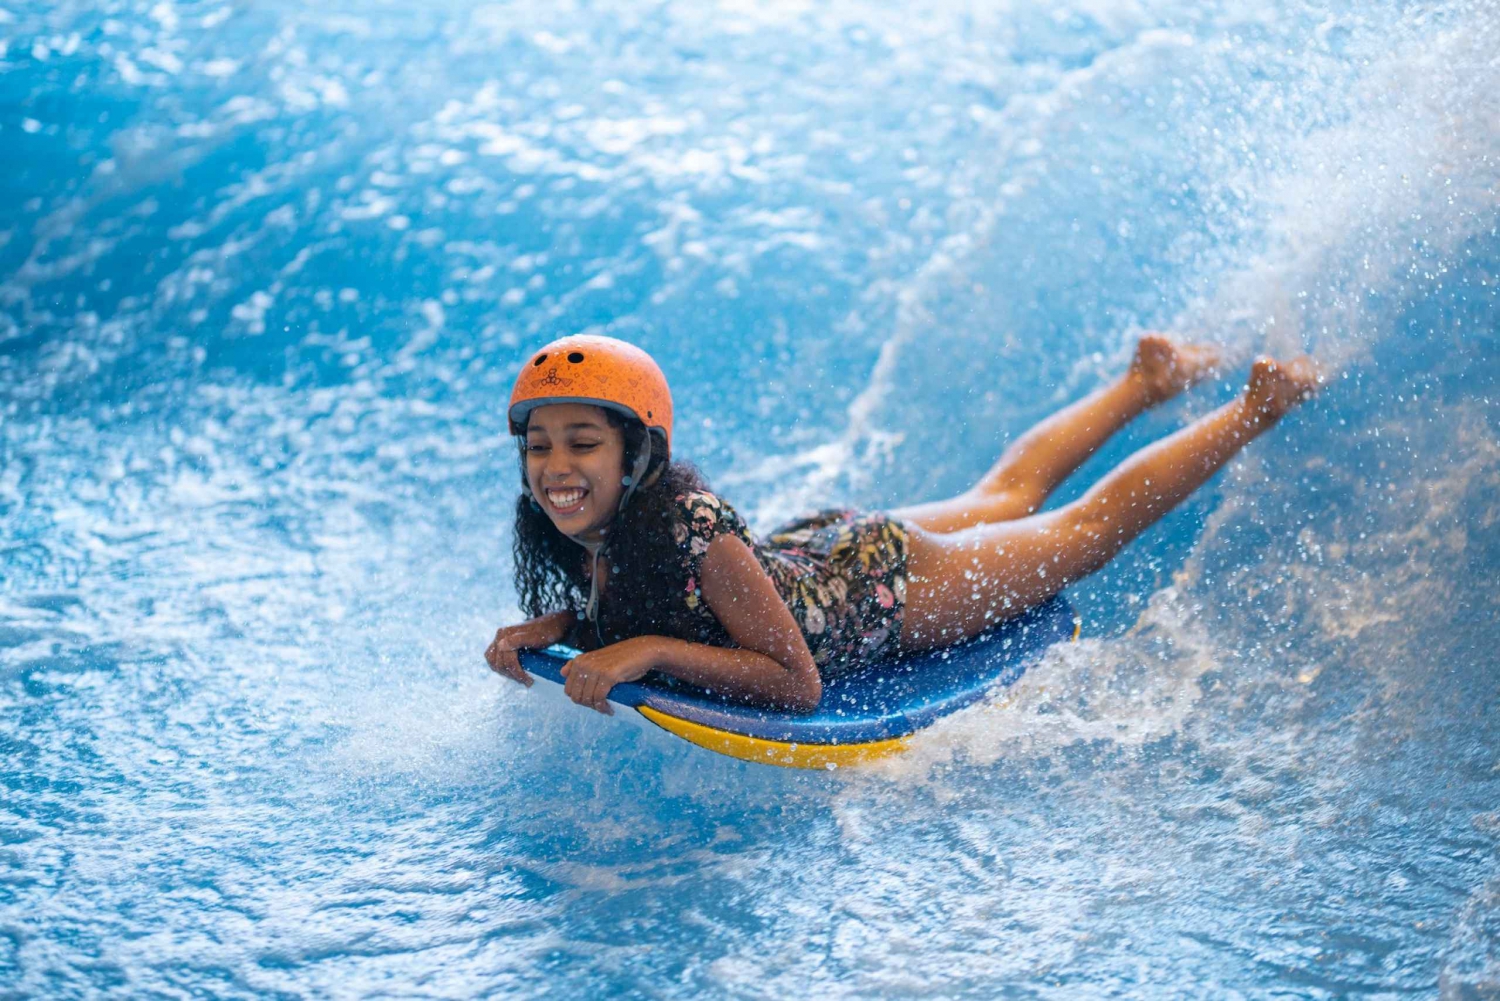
{"type": "Point", "coordinates": [504, 660]}
{"type": "Point", "coordinates": [587, 687]}
{"type": "Point", "coordinates": [583, 686]}
{"type": "Point", "coordinates": [513, 668]}
{"type": "Point", "coordinates": [510, 666]}
{"type": "Point", "coordinates": [578, 676]}
{"type": "Point", "coordinates": [596, 695]}
{"type": "Point", "coordinates": [492, 652]}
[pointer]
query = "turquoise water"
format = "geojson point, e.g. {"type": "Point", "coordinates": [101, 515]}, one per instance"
{"type": "Point", "coordinates": [265, 274]}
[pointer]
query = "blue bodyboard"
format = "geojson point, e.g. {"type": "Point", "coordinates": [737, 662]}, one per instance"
{"type": "Point", "coordinates": [875, 705]}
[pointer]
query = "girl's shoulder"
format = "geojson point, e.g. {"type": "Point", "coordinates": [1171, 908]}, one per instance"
{"type": "Point", "coordinates": [694, 501]}
{"type": "Point", "coordinates": [706, 515]}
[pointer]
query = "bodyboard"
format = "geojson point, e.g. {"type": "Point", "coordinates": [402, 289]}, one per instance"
{"type": "Point", "coordinates": [864, 714]}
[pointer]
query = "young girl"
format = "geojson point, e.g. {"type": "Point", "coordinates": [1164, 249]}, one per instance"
{"type": "Point", "coordinates": [626, 554]}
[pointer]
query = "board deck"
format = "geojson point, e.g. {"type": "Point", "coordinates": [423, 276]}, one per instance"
{"type": "Point", "coordinates": [864, 714]}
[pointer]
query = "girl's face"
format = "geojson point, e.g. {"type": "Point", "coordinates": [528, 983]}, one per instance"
{"type": "Point", "coordinates": [574, 458]}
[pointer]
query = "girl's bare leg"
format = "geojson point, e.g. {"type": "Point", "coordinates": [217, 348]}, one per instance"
{"type": "Point", "coordinates": [1043, 457]}
{"type": "Point", "coordinates": [961, 583]}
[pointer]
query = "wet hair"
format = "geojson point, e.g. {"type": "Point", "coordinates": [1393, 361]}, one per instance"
{"type": "Point", "coordinates": [645, 560]}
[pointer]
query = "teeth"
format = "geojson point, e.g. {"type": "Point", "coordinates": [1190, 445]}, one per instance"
{"type": "Point", "coordinates": [566, 498]}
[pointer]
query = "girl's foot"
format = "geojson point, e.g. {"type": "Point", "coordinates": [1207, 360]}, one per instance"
{"type": "Point", "coordinates": [1166, 368]}
{"type": "Point", "coordinates": [1278, 386]}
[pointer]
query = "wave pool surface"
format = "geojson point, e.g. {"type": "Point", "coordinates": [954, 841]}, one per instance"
{"type": "Point", "coordinates": [266, 271]}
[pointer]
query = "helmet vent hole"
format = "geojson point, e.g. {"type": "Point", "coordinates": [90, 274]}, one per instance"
{"type": "Point", "coordinates": [575, 357]}
{"type": "Point", "coordinates": [649, 414]}
{"type": "Point", "coordinates": [539, 359]}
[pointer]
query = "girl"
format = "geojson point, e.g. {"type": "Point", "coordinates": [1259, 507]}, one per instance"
{"type": "Point", "coordinates": [626, 554]}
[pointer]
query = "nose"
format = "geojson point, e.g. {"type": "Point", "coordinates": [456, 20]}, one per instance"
{"type": "Point", "coordinates": [556, 466]}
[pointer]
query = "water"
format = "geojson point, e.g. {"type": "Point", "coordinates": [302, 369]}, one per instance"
{"type": "Point", "coordinates": [265, 274]}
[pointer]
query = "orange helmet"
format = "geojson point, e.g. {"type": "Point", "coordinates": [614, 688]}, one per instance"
{"type": "Point", "coordinates": [603, 371]}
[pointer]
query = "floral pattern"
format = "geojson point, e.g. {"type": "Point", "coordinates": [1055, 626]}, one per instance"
{"type": "Point", "coordinates": [842, 573]}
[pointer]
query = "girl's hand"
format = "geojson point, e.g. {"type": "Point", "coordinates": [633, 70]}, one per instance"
{"type": "Point", "coordinates": [501, 654]}
{"type": "Point", "coordinates": [591, 675]}
{"type": "Point", "coordinates": [533, 634]}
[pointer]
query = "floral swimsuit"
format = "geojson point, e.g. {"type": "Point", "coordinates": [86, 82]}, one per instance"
{"type": "Point", "coordinates": [842, 574]}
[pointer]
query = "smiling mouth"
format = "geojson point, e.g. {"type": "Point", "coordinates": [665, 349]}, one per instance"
{"type": "Point", "coordinates": [566, 500]}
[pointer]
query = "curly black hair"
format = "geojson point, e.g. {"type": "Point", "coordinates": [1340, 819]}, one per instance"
{"type": "Point", "coordinates": [644, 557]}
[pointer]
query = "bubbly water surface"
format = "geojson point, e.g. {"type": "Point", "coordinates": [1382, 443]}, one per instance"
{"type": "Point", "coordinates": [266, 272]}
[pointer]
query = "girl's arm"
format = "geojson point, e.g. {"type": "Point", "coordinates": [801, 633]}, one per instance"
{"type": "Point", "coordinates": [533, 634]}
{"type": "Point", "coordinates": [770, 665]}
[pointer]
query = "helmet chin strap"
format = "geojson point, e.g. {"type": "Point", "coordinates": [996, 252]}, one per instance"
{"type": "Point", "coordinates": [637, 471]}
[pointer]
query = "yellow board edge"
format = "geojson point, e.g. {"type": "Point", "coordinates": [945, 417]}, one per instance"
{"type": "Point", "coordinates": [775, 752]}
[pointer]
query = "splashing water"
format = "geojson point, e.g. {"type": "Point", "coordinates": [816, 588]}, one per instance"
{"type": "Point", "coordinates": [266, 271]}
